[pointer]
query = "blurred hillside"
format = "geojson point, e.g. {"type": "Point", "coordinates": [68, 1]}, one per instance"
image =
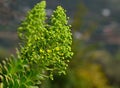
{"type": "Point", "coordinates": [96, 39]}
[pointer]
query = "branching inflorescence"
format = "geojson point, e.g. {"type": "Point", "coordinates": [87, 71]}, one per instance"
{"type": "Point", "coordinates": [45, 48]}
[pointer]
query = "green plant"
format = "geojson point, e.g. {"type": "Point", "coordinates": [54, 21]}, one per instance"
{"type": "Point", "coordinates": [45, 48]}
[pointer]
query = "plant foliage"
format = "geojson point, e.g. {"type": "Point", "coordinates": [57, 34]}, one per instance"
{"type": "Point", "coordinates": [45, 48]}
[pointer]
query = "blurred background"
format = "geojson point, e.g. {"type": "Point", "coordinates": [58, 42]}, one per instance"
{"type": "Point", "coordinates": [96, 40]}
